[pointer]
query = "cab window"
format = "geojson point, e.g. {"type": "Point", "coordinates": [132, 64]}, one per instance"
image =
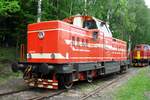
{"type": "Point", "coordinates": [138, 47]}
{"type": "Point", "coordinates": [73, 41]}
{"type": "Point", "coordinates": [145, 47]}
{"type": "Point", "coordinates": [78, 41]}
{"type": "Point", "coordinates": [89, 24]}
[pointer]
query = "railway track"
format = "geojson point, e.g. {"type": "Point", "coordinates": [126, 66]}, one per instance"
{"type": "Point", "coordinates": [12, 92]}
{"type": "Point", "coordinates": [44, 96]}
{"type": "Point", "coordinates": [96, 90]}
{"type": "Point", "coordinates": [102, 87]}
{"type": "Point", "coordinates": [40, 96]}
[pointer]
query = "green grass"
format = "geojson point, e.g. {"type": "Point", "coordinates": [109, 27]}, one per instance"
{"type": "Point", "coordinates": [6, 73]}
{"type": "Point", "coordinates": [5, 78]}
{"type": "Point", "coordinates": [135, 87]}
{"type": "Point", "coordinates": [7, 54]}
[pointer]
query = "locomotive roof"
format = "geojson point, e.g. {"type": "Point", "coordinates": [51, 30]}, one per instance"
{"type": "Point", "coordinates": [85, 17]}
{"type": "Point", "coordinates": [142, 45]}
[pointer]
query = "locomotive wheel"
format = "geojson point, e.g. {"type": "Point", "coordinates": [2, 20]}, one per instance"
{"type": "Point", "coordinates": [123, 69]}
{"type": "Point", "coordinates": [14, 67]}
{"type": "Point", "coordinates": [89, 77]}
{"type": "Point", "coordinates": [68, 85]}
{"type": "Point", "coordinates": [64, 81]}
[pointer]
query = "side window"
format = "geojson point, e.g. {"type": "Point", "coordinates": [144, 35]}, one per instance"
{"type": "Point", "coordinates": [86, 43]}
{"type": "Point", "coordinates": [78, 41]}
{"type": "Point", "coordinates": [82, 42]}
{"type": "Point", "coordinates": [73, 41]}
{"type": "Point", "coordinates": [95, 36]}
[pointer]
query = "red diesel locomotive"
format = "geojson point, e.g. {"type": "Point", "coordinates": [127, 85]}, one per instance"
{"type": "Point", "coordinates": [77, 48]}
{"type": "Point", "coordinates": [141, 55]}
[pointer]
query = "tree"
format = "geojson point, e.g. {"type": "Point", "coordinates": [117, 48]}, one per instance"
{"type": "Point", "coordinates": [126, 17]}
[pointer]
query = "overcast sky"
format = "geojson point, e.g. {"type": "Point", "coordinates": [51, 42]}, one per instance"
{"type": "Point", "coordinates": [147, 3]}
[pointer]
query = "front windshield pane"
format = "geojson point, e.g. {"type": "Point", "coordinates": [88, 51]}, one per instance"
{"type": "Point", "coordinates": [90, 24]}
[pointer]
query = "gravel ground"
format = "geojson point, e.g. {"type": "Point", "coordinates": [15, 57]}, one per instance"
{"type": "Point", "coordinates": [108, 93]}
{"type": "Point", "coordinates": [13, 85]}
{"type": "Point", "coordinates": [9, 81]}
{"type": "Point", "coordinates": [79, 89]}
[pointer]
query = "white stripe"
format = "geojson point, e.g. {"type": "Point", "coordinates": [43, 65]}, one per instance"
{"type": "Point", "coordinates": [50, 80]}
{"type": "Point", "coordinates": [55, 84]}
{"type": "Point", "coordinates": [68, 42]}
{"type": "Point", "coordinates": [88, 57]}
{"type": "Point", "coordinates": [40, 85]}
{"type": "Point", "coordinates": [45, 83]}
{"type": "Point", "coordinates": [67, 55]}
{"type": "Point", "coordinates": [31, 84]}
{"type": "Point", "coordinates": [46, 55]}
{"type": "Point", "coordinates": [95, 57]}
{"type": "Point", "coordinates": [39, 79]}
{"type": "Point", "coordinates": [81, 50]}
{"type": "Point", "coordinates": [59, 29]}
{"type": "Point", "coordinates": [83, 29]}
{"type": "Point", "coordinates": [49, 86]}
{"type": "Point", "coordinates": [108, 47]}
{"type": "Point", "coordinates": [96, 45]}
{"type": "Point", "coordinates": [90, 45]}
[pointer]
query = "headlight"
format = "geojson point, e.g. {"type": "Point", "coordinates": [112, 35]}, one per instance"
{"type": "Point", "coordinates": [29, 55]}
{"type": "Point", "coordinates": [53, 56]}
{"type": "Point", "coordinates": [41, 35]}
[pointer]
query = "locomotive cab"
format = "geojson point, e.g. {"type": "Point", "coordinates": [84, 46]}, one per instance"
{"type": "Point", "coordinates": [90, 23]}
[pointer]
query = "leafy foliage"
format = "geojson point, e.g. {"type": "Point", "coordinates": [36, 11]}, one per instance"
{"type": "Point", "coordinates": [126, 17]}
{"type": "Point", "coordinates": [7, 7]}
